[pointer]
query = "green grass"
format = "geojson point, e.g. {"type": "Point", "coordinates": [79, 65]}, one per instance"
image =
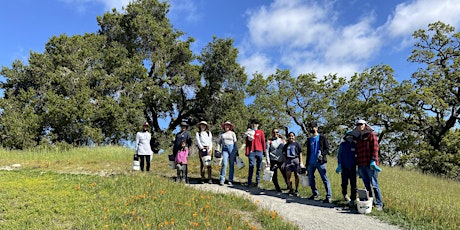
{"type": "Point", "coordinates": [50, 192]}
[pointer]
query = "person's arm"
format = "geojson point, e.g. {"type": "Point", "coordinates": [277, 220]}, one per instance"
{"type": "Point", "coordinates": [198, 140]}
{"type": "Point", "coordinates": [189, 140]}
{"type": "Point", "coordinates": [299, 148]}
{"type": "Point", "coordinates": [374, 148]}
{"type": "Point", "coordinates": [137, 141]}
{"type": "Point", "coordinates": [210, 144]}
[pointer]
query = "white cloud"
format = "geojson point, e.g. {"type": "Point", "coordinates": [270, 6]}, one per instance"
{"type": "Point", "coordinates": [186, 9]}
{"type": "Point", "coordinates": [415, 15]}
{"type": "Point", "coordinates": [258, 63]}
{"type": "Point", "coordinates": [307, 39]}
{"type": "Point", "coordinates": [108, 4]}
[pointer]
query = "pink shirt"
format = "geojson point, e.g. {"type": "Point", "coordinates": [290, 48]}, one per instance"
{"type": "Point", "coordinates": [182, 156]}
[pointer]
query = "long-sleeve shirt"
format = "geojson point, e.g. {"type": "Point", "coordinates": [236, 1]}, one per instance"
{"type": "Point", "coordinates": [143, 143]}
{"type": "Point", "coordinates": [204, 139]}
{"type": "Point", "coordinates": [258, 144]}
{"type": "Point", "coordinates": [181, 136]}
{"type": "Point", "coordinates": [367, 149]}
{"type": "Point", "coordinates": [182, 156]}
{"type": "Point", "coordinates": [227, 138]}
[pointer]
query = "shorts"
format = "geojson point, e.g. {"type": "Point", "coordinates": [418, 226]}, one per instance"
{"type": "Point", "coordinates": [292, 164]}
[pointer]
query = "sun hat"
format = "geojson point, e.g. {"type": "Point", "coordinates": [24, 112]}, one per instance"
{"type": "Point", "coordinates": [361, 121]}
{"type": "Point", "coordinates": [203, 123]}
{"type": "Point", "coordinates": [146, 124]}
{"type": "Point", "coordinates": [184, 124]}
{"type": "Point", "coordinates": [227, 123]}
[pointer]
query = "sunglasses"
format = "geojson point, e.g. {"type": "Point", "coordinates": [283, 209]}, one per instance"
{"type": "Point", "coordinates": [359, 124]}
{"type": "Point", "coordinates": [276, 132]}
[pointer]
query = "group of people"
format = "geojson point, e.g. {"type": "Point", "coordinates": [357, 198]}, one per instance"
{"type": "Point", "coordinates": [359, 149]}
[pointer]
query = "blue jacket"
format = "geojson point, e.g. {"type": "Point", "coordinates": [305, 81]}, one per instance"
{"type": "Point", "coordinates": [347, 154]}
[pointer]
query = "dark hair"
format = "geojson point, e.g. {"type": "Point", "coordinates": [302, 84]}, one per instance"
{"type": "Point", "coordinates": [292, 133]}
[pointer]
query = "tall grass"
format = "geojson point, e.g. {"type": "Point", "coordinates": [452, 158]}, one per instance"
{"type": "Point", "coordinates": [138, 200]}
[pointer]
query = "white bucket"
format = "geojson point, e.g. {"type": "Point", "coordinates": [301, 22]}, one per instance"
{"type": "Point", "coordinates": [172, 164]}
{"type": "Point", "coordinates": [217, 161]}
{"type": "Point", "coordinates": [239, 163]}
{"type": "Point", "coordinates": [206, 160]}
{"type": "Point", "coordinates": [365, 206]}
{"type": "Point", "coordinates": [304, 180]}
{"type": "Point", "coordinates": [268, 175]}
{"type": "Point", "coordinates": [136, 166]}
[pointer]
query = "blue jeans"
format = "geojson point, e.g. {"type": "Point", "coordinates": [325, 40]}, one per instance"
{"type": "Point", "coordinates": [371, 182]}
{"type": "Point", "coordinates": [228, 155]}
{"type": "Point", "coordinates": [253, 156]}
{"type": "Point", "coordinates": [322, 172]}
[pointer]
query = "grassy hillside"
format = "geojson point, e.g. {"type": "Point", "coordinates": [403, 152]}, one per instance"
{"type": "Point", "coordinates": [95, 188]}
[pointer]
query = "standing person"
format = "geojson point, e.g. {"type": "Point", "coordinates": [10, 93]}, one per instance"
{"type": "Point", "coordinates": [183, 135]}
{"type": "Point", "coordinates": [293, 156]}
{"type": "Point", "coordinates": [255, 149]}
{"type": "Point", "coordinates": [143, 149]}
{"type": "Point", "coordinates": [227, 144]}
{"type": "Point", "coordinates": [367, 151]}
{"type": "Point", "coordinates": [317, 149]}
{"type": "Point", "coordinates": [346, 159]}
{"type": "Point", "coordinates": [181, 162]}
{"type": "Point", "coordinates": [275, 152]}
{"type": "Point", "coordinates": [204, 143]}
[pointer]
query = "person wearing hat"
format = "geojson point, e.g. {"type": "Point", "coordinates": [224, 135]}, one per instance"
{"type": "Point", "coordinates": [183, 135]}
{"type": "Point", "coordinates": [143, 149]}
{"type": "Point", "coordinates": [227, 145]}
{"type": "Point", "coordinates": [346, 159]}
{"type": "Point", "coordinates": [255, 149]}
{"type": "Point", "coordinates": [204, 143]}
{"type": "Point", "coordinates": [317, 149]}
{"type": "Point", "coordinates": [367, 159]}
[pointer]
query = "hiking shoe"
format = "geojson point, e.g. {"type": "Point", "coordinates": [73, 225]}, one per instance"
{"type": "Point", "coordinates": [278, 190]}
{"type": "Point", "coordinates": [296, 193]}
{"type": "Point", "coordinates": [327, 200]}
{"type": "Point", "coordinates": [346, 198]}
{"type": "Point", "coordinates": [230, 183]}
{"type": "Point", "coordinates": [291, 192]}
{"type": "Point", "coordinates": [202, 181]}
{"type": "Point", "coordinates": [221, 183]}
{"type": "Point", "coordinates": [351, 204]}
{"type": "Point", "coordinates": [210, 181]}
{"type": "Point", "coordinates": [313, 197]}
{"type": "Point", "coordinates": [378, 207]}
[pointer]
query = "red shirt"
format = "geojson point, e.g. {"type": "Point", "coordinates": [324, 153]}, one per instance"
{"type": "Point", "coordinates": [367, 149]}
{"type": "Point", "coordinates": [258, 144]}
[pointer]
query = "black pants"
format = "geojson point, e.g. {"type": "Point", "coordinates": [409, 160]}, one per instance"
{"type": "Point", "coordinates": [144, 159]}
{"type": "Point", "coordinates": [274, 166]}
{"type": "Point", "coordinates": [349, 174]}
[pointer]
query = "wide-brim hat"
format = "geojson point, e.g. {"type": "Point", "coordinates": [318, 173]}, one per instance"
{"type": "Point", "coordinates": [227, 123]}
{"type": "Point", "coordinates": [203, 123]}
{"type": "Point", "coordinates": [146, 124]}
{"type": "Point", "coordinates": [184, 124]}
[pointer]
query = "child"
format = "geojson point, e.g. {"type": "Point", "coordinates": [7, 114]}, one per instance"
{"type": "Point", "coordinates": [346, 159]}
{"type": "Point", "coordinates": [181, 162]}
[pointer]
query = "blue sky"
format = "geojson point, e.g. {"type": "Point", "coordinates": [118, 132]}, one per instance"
{"type": "Point", "coordinates": [304, 36]}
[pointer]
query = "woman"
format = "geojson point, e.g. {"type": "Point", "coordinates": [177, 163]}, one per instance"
{"type": "Point", "coordinates": [227, 143]}
{"type": "Point", "coordinates": [204, 143]}
{"type": "Point", "coordinates": [143, 149]}
{"type": "Point", "coordinates": [293, 156]}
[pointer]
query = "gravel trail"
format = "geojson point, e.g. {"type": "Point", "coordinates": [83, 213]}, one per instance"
{"type": "Point", "coordinates": [306, 214]}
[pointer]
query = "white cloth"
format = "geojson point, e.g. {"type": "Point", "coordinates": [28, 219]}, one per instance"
{"type": "Point", "coordinates": [143, 143]}
{"type": "Point", "coordinates": [250, 134]}
{"type": "Point", "coordinates": [204, 139]}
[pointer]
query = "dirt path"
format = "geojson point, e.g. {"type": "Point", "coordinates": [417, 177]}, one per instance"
{"type": "Point", "coordinates": [306, 214]}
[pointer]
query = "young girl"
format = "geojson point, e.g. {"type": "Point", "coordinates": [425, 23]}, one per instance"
{"type": "Point", "coordinates": [181, 162]}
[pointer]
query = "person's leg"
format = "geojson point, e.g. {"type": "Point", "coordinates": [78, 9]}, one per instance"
{"type": "Point", "coordinates": [289, 183]}
{"type": "Point", "coordinates": [224, 166]}
{"type": "Point", "coordinates": [311, 178]}
{"type": "Point", "coordinates": [185, 168]}
{"type": "Point", "coordinates": [232, 159]}
{"type": "Point", "coordinates": [283, 172]}
{"type": "Point", "coordinates": [344, 181]}
{"type": "Point", "coordinates": [274, 168]}
{"type": "Point", "coordinates": [364, 173]}
{"type": "Point", "coordinates": [147, 163]}
{"type": "Point", "coordinates": [259, 156]}
{"type": "Point", "coordinates": [252, 160]}
{"type": "Point", "coordinates": [375, 186]}
{"type": "Point", "coordinates": [141, 159]}
{"type": "Point", "coordinates": [202, 169]}
{"type": "Point", "coordinates": [325, 179]}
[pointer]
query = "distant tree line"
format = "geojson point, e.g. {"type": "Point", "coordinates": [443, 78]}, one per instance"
{"type": "Point", "coordinates": [98, 88]}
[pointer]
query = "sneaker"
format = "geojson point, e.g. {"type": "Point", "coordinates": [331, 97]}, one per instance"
{"type": "Point", "coordinates": [229, 183]}
{"type": "Point", "coordinates": [291, 192]}
{"type": "Point", "coordinates": [327, 200]}
{"type": "Point", "coordinates": [202, 181]}
{"type": "Point", "coordinates": [313, 197]}
{"type": "Point", "coordinates": [296, 193]}
{"type": "Point", "coordinates": [209, 181]}
{"type": "Point", "coordinates": [221, 183]}
{"type": "Point", "coordinates": [346, 198]}
{"type": "Point", "coordinates": [351, 204]}
{"type": "Point", "coordinates": [378, 207]}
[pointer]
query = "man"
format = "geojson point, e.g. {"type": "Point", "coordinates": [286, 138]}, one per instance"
{"type": "Point", "coordinates": [367, 152]}
{"type": "Point", "coordinates": [317, 149]}
{"type": "Point", "coordinates": [275, 153]}
{"type": "Point", "coordinates": [255, 149]}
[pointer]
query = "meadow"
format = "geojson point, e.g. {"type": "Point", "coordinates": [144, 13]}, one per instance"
{"type": "Point", "coordinates": [94, 188]}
